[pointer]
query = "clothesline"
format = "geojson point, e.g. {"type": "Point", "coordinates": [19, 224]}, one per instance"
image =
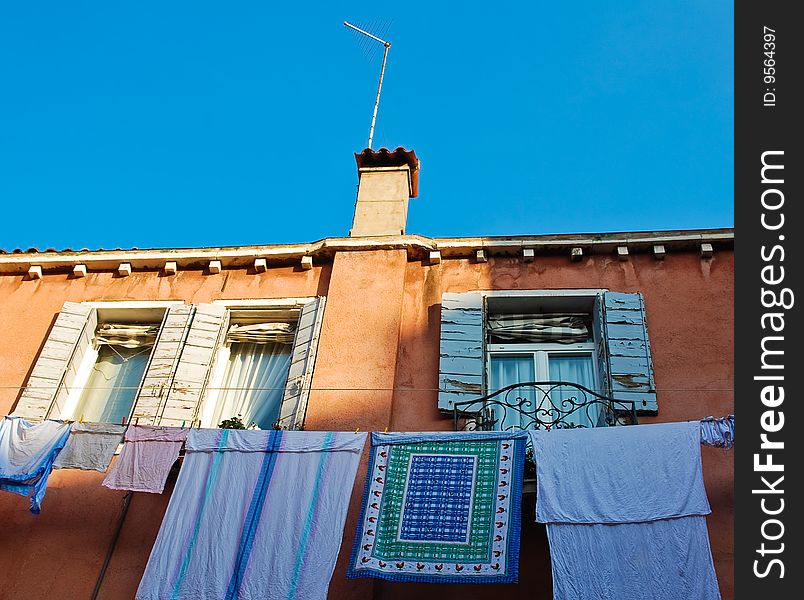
{"type": "Point", "coordinates": [310, 388]}
{"type": "Point", "coordinates": [197, 423]}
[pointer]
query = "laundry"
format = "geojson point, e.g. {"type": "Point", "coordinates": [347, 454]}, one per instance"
{"type": "Point", "coordinates": [145, 461]}
{"type": "Point", "coordinates": [625, 507]}
{"type": "Point", "coordinates": [441, 507]}
{"type": "Point", "coordinates": [90, 446]}
{"type": "Point", "coordinates": [27, 452]}
{"type": "Point", "coordinates": [718, 431]}
{"type": "Point", "coordinates": [254, 514]}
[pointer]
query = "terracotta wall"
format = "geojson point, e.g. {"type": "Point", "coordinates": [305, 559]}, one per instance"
{"type": "Point", "coordinates": [379, 348]}
{"type": "Point", "coordinates": [59, 553]}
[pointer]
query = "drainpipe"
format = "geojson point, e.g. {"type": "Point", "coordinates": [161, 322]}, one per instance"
{"type": "Point", "coordinates": [112, 544]}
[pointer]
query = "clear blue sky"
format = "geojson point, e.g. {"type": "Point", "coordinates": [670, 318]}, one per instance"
{"type": "Point", "coordinates": [196, 123]}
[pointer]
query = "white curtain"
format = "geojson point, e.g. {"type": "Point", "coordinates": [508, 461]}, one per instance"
{"type": "Point", "coordinates": [574, 369]}
{"type": "Point", "coordinates": [254, 384]}
{"type": "Point", "coordinates": [113, 384]}
{"type": "Point", "coordinates": [508, 370]}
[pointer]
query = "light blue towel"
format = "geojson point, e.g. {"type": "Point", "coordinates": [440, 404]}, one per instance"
{"type": "Point", "coordinates": [27, 453]}
{"type": "Point", "coordinates": [624, 508]}
{"type": "Point", "coordinates": [619, 474]}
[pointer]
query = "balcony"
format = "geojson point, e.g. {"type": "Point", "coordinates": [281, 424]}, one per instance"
{"type": "Point", "coordinates": [542, 405]}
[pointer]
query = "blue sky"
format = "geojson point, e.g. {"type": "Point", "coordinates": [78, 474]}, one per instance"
{"type": "Point", "coordinates": [159, 124]}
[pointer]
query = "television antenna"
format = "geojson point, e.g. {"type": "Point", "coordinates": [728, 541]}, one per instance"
{"type": "Point", "coordinates": [387, 46]}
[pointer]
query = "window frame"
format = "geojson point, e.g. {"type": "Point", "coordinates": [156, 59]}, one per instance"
{"type": "Point", "coordinates": [91, 353]}
{"type": "Point", "coordinates": [541, 366]}
{"type": "Point", "coordinates": [541, 357]}
{"type": "Point", "coordinates": [217, 371]}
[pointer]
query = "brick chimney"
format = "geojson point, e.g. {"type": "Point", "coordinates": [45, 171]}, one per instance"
{"type": "Point", "coordinates": [387, 180]}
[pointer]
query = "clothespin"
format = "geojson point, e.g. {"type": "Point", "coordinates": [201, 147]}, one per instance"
{"type": "Point", "coordinates": [136, 421]}
{"type": "Point", "coordinates": [386, 429]}
{"type": "Point", "coordinates": [123, 421]}
{"type": "Point", "coordinates": [182, 424]}
{"type": "Point", "coordinates": [357, 430]}
{"type": "Point", "coordinates": [81, 420]}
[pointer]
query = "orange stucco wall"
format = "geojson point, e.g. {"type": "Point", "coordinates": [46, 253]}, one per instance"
{"type": "Point", "coordinates": [377, 367]}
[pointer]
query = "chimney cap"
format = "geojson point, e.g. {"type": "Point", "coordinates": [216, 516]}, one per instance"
{"type": "Point", "coordinates": [392, 158]}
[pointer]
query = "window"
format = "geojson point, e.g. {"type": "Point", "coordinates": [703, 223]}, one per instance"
{"type": "Point", "coordinates": [251, 368]}
{"type": "Point", "coordinates": [176, 364]}
{"type": "Point", "coordinates": [594, 338]}
{"type": "Point", "coordinates": [262, 363]}
{"type": "Point", "coordinates": [112, 368]}
{"type": "Point", "coordinates": [543, 347]}
{"type": "Point", "coordinates": [93, 364]}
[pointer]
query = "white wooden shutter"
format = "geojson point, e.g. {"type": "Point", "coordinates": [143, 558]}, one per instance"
{"type": "Point", "coordinates": [302, 362]}
{"type": "Point", "coordinates": [54, 372]}
{"type": "Point", "coordinates": [460, 372]}
{"type": "Point", "coordinates": [630, 366]}
{"type": "Point", "coordinates": [203, 339]}
{"type": "Point", "coordinates": [163, 363]}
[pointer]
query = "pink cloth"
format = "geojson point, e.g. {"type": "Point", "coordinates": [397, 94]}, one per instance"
{"type": "Point", "coordinates": [145, 461]}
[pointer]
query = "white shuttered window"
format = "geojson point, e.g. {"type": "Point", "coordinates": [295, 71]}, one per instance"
{"type": "Point", "coordinates": [94, 363]}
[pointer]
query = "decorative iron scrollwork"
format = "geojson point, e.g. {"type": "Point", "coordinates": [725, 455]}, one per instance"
{"type": "Point", "coordinates": [542, 405]}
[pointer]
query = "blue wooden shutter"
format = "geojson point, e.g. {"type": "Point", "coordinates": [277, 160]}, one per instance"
{"type": "Point", "coordinates": [460, 376]}
{"type": "Point", "coordinates": [630, 367]}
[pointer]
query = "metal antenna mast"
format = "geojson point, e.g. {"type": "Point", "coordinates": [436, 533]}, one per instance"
{"type": "Point", "coordinates": [382, 74]}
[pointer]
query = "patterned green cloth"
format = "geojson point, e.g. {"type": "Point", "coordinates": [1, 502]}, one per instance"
{"type": "Point", "coordinates": [441, 509]}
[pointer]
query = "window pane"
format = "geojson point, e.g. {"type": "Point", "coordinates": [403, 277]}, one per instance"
{"type": "Point", "coordinates": [254, 384]}
{"type": "Point", "coordinates": [112, 386]}
{"type": "Point", "coordinates": [574, 369]}
{"type": "Point", "coordinates": [507, 370]}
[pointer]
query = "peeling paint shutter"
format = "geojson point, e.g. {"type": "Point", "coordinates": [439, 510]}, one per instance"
{"type": "Point", "coordinates": [162, 366]}
{"type": "Point", "coordinates": [203, 339]}
{"type": "Point", "coordinates": [302, 362]}
{"type": "Point", "coordinates": [601, 346]}
{"type": "Point", "coordinates": [460, 372]}
{"type": "Point", "coordinates": [630, 367]}
{"type": "Point", "coordinates": [54, 372]}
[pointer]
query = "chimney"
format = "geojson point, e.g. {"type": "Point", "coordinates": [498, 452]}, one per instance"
{"type": "Point", "coordinates": [387, 180]}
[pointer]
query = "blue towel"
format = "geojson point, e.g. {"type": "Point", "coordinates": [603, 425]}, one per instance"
{"type": "Point", "coordinates": [619, 474]}
{"type": "Point", "coordinates": [27, 452]}
{"type": "Point", "coordinates": [624, 508]}
{"type": "Point", "coordinates": [718, 431]}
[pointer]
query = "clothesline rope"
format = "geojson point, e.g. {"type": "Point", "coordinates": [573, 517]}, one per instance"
{"type": "Point", "coordinates": [323, 389]}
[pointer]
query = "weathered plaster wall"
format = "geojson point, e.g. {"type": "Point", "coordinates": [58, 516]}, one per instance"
{"type": "Point", "coordinates": [381, 331]}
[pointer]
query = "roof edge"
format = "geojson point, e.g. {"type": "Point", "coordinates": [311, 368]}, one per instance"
{"type": "Point", "coordinates": [417, 247]}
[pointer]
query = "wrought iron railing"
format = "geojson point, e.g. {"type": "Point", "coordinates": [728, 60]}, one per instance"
{"type": "Point", "coordinates": [542, 405]}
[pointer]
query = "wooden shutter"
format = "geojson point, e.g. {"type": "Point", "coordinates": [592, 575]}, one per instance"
{"type": "Point", "coordinates": [630, 367]}
{"type": "Point", "coordinates": [203, 339]}
{"type": "Point", "coordinates": [53, 374]}
{"type": "Point", "coordinates": [601, 345]}
{"type": "Point", "coordinates": [162, 365]}
{"type": "Point", "coordinates": [302, 362]}
{"type": "Point", "coordinates": [460, 376]}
